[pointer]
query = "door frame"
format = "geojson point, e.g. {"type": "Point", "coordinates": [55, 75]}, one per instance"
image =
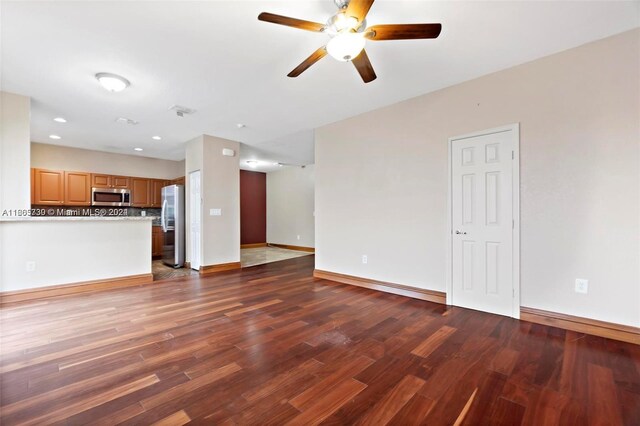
{"type": "Point", "coordinates": [191, 213]}
{"type": "Point", "coordinates": [515, 190]}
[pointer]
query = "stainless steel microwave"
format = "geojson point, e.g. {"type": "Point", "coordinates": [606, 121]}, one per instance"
{"type": "Point", "coordinates": [113, 197]}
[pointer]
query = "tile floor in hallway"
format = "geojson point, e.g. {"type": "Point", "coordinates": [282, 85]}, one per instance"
{"type": "Point", "coordinates": [162, 272]}
{"type": "Point", "coordinates": [249, 257]}
{"type": "Point", "coordinates": [262, 255]}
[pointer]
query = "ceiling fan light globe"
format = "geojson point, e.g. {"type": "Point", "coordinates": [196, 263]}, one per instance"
{"type": "Point", "coordinates": [346, 46]}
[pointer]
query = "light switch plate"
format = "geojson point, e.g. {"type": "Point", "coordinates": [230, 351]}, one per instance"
{"type": "Point", "coordinates": [215, 212]}
{"type": "Point", "coordinates": [582, 286]}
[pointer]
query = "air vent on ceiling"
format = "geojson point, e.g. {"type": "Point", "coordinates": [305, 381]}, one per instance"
{"type": "Point", "coordinates": [181, 111]}
{"type": "Point", "coordinates": [123, 120]}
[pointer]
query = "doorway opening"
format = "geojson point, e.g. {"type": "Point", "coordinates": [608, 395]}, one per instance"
{"type": "Point", "coordinates": [276, 214]}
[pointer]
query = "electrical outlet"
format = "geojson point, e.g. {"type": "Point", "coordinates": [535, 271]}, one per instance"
{"type": "Point", "coordinates": [364, 259]}
{"type": "Point", "coordinates": [582, 286]}
{"type": "Point", "coordinates": [31, 266]}
{"type": "Point", "coordinates": [298, 236]}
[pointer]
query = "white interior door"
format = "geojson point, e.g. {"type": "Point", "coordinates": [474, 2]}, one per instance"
{"type": "Point", "coordinates": [195, 218]}
{"type": "Point", "coordinates": [483, 212]}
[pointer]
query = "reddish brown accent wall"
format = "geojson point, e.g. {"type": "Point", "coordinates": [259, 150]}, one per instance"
{"type": "Point", "coordinates": [253, 207]}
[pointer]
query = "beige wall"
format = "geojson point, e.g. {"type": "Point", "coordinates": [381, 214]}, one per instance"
{"type": "Point", "coordinates": [46, 156]}
{"type": "Point", "coordinates": [15, 133]}
{"type": "Point", "coordinates": [290, 201]}
{"type": "Point", "coordinates": [381, 180]}
{"type": "Point", "coordinates": [220, 189]}
{"type": "Point", "coordinates": [15, 190]}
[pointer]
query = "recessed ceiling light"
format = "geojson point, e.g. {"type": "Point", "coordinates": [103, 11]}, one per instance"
{"type": "Point", "coordinates": [241, 126]}
{"type": "Point", "coordinates": [54, 137]}
{"type": "Point", "coordinates": [59, 120]}
{"type": "Point", "coordinates": [156, 138]}
{"type": "Point", "coordinates": [112, 82]}
{"type": "Point", "coordinates": [137, 149]}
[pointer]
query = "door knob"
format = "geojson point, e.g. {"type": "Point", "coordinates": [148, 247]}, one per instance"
{"type": "Point", "coordinates": [459, 232]}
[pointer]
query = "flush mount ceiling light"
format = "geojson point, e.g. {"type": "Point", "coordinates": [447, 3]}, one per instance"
{"type": "Point", "coordinates": [241, 126]}
{"type": "Point", "coordinates": [253, 163]}
{"type": "Point", "coordinates": [156, 138]}
{"type": "Point", "coordinates": [137, 149]}
{"type": "Point", "coordinates": [60, 120]}
{"type": "Point", "coordinates": [54, 137]}
{"type": "Point", "coordinates": [112, 82]}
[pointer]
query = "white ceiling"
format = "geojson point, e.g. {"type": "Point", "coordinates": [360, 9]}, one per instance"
{"type": "Point", "coordinates": [217, 58]}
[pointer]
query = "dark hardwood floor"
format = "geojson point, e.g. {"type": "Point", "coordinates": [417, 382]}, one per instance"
{"type": "Point", "coordinates": [272, 345]}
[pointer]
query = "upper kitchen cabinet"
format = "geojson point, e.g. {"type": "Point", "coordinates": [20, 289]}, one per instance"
{"type": "Point", "coordinates": [140, 192]}
{"type": "Point", "coordinates": [48, 187]}
{"type": "Point", "coordinates": [178, 181]}
{"type": "Point", "coordinates": [77, 189]}
{"type": "Point", "coordinates": [156, 191]}
{"type": "Point", "coordinates": [120, 182]}
{"type": "Point", "coordinates": [100, 181]}
{"type": "Point", "coordinates": [108, 181]}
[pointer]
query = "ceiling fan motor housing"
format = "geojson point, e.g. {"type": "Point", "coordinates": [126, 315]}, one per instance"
{"type": "Point", "coordinates": [340, 22]}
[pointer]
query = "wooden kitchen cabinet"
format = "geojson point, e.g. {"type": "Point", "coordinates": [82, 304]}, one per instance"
{"type": "Point", "coordinates": [48, 187]}
{"type": "Point", "coordinates": [155, 187]}
{"type": "Point", "coordinates": [120, 182]}
{"type": "Point", "coordinates": [77, 189]}
{"type": "Point", "coordinates": [59, 187]}
{"type": "Point", "coordinates": [140, 192]}
{"type": "Point", "coordinates": [109, 181]}
{"type": "Point", "coordinates": [178, 181]}
{"type": "Point", "coordinates": [156, 241]}
{"type": "Point", "coordinates": [100, 181]}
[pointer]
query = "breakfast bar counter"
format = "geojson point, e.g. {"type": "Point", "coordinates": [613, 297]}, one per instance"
{"type": "Point", "coordinates": [52, 255]}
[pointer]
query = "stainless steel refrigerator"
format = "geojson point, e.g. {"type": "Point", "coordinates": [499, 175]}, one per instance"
{"type": "Point", "coordinates": [172, 221]}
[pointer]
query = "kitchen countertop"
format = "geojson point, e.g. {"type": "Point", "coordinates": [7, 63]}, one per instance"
{"type": "Point", "coordinates": [75, 218]}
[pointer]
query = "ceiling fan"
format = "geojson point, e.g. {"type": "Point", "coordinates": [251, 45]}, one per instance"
{"type": "Point", "coordinates": [349, 33]}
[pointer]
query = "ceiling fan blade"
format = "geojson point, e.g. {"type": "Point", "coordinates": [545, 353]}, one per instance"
{"type": "Point", "coordinates": [312, 59]}
{"type": "Point", "coordinates": [364, 67]}
{"type": "Point", "coordinates": [290, 22]}
{"type": "Point", "coordinates": [402, 31]}
{"type": "Point", "coordinates": [359, 9]}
